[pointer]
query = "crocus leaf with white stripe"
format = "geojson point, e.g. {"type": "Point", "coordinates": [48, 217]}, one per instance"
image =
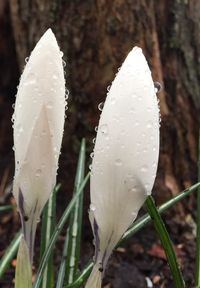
{"type": "Point", "coordinates": [38, 130]}
{"type": "Point", "coordinates": [125, 157]}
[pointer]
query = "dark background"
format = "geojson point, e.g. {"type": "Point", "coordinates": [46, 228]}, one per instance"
{"type": "Point", "coordinates": [95, 37]}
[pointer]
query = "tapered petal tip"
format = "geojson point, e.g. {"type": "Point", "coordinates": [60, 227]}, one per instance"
{"type": "Point", "coordinates": [136, 59]}
{"type": "Point", "coordinates": [48, 39]}
{"type": "Point", "coordinates": [49, 34]}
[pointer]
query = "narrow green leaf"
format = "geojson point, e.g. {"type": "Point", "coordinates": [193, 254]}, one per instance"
{"type": "Point", "coordinates": [23, 273]}
{"type": "Point", "coordinates": [166, 242]}
{"type": "Point", "coordinates": [71, 250]}
{"type": "Point", "coordinates": [136, 226]}
{"type": "Point", "coordinates": [9, 254]}
{"type": "Point", "coordinates": [57, 231]}
{"type": "Point", "coordinates": [48, 226]}
{"type": "Point", "coordinates": [197, 258]}
{"type": "Point", "coordinates": [4, 208]}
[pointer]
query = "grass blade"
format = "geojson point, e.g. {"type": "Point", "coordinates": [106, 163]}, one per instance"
{"type": "Point", "coordinates": [6, 207]}
{"type": "Point", "coordinates": [10, 253]}
{"type": "Point", "coordinates": [136, 226]}
{"type": "Point", "coordinates": [48, 226]}
{"type": "Point", "coordinates": [197, 258]}
{"type": "Point", "coordinates": [71, 251]}
{"type": "Point", "coordinates": [166, 242]}
{"type": "Point", "coordinates": [57, 231]}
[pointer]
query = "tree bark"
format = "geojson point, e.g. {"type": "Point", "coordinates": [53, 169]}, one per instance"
{"type": "Point", "coordinates": [96, 36]}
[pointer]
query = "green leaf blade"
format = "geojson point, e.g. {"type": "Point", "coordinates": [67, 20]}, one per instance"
{"type": "Point", "coordinates": [71, 251]}
{"type": "Point", "coordinates": [166, 242]}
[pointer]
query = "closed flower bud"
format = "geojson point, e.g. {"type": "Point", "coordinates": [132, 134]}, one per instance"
{"type": "Point", "coordinates": [125, 157]}
{"type": "Point", "coordinates": [38, 130]}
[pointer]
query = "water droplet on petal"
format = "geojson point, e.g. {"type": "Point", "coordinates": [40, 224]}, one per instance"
{"type": "Point", "coordinates": [92, 207]}
{"type": "Point", "coordinates": [134, 214]}
{"type": "Point", "coordinates": [38, 172]}
{"type": "Point", "coordinates": [104, 129]}
{"type": "Point", "coordinates": [94, 140]}
{"type": "Point", "coordinates": [149, 125]}
{"type": "Point", "coordinates": [49, 105]}
{"type": "Point", "coordinates": [96, 128]}
{"type": "Point", "coordinates": [55, 77]}
{"type": "Point", "coordinates": [144, 168]}
{"type": "Point", "coordinates": [64, 63]}
{"type": "Point", "coordinates": [118, 162]}
{"type": "Point", "coordinates": [100, 106]}
{"type": "Point", "coordinates": [67, 94]}
{"type": "Point", "coordinates": [92, 155]}
{"type": "Point", "coordinates": [157, 86]}
{"type": "Point", "coordinates": [112, 100]}
{"type": "Point", "coordinates": [133, 189]}
{"type": "Point", "coordinates": [26, 59]}
{"type": "Point", "coordinates": [108, 88]}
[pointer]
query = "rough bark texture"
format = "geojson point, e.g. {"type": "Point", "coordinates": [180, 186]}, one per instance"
{"type": "Point", "coordinates": [95, 37]}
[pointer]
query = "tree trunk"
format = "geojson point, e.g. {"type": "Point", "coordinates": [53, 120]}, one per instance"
{"type": "Point", "coordinates": [95, 37]}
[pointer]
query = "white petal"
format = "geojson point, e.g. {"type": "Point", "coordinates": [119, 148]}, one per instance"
{"type": "Point", "coordinates": [40, 102]}
{"type": "Point", "coordinates": [38, 130]}
{"type": "Point", "coordinates": [126, 152]}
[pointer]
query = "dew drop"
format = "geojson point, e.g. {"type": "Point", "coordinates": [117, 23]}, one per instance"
{"type": "Point", "coordinates": [96, 128]}
{"type": "Point", "coordinates": [13, 118]}
{"type": "Point", "coordinates": [143, 168]}
{"type": "Point", "coordinates": [55, 77]}
{"type": "Point", "coordinates": [104, 129]}
{"type": "Point", "coordinates": [21, 130]}
{"type": "Point", "coordinates": [112, 100]}
{"type": "Point", "coordinates": [133, 189]}
{"type": "Point", "coordinates": [118, 162]}
{"type": "Point", "coordinates": [134, 214]}
{"type": "Point", "coordinates": [43, 133]}
{"type": "Point", "coordinates": [157, 86]}
{"type": "Point", "coordinates": [92, 155]}
{"type": "Point", "coordinates": [92, 207]}
{"type": "Point", "coordinates": [61, 54]}
{"type": "Point", "coordinates": [90, 167]}
{"type": "Point", "coordinates": [67, 94]}
{"type": "Point", "coordinates": [108, 88]}
{"type": "Point", "coordinates": [38, 172]}
{"type": "Point", "coordinates": [149, 125]}
{"type": "Point", "coordinates": [100, 106]}
{"type": "Point", "coordinates": [49, 105]}
{"type": "Point", "coordinates": [64, 63]}
{"type": "Point", "coordinates": [94, 140]}
{"type": "Point", "coordinates": [26, 59]}
{"type": "Point", "coordinates": [13, 105]}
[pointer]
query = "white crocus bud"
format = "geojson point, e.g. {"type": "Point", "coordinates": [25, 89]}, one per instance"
{"type": "Point", "coordinates": [125, 157]}
{"type": "Point", "coordinates": [38, 130]}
